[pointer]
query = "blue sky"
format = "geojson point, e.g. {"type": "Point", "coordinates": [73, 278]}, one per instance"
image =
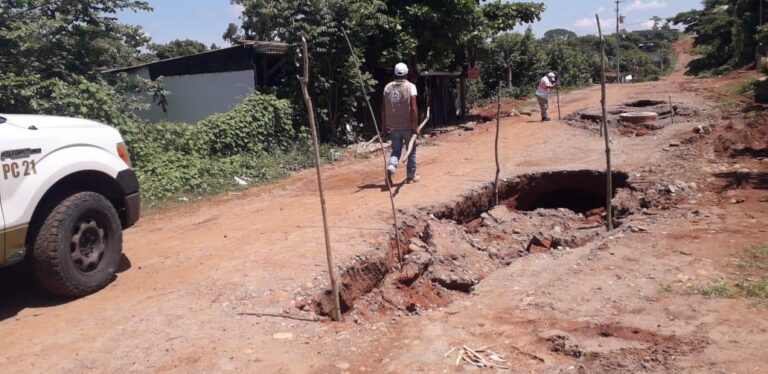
{"type": "Point", "coordinates": [206, 20]}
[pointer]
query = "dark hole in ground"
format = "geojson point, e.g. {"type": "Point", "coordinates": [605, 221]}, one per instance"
{"type": "Point", "coordinates": [644, 103]}
{"type": "Point", "coordinates": [577, 190]}
{"type": "Point", "coordinates": [423, 278]}
{"type": "Point", "coordinates": [579, 201]}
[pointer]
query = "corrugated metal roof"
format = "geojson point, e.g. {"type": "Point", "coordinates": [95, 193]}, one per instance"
{"type": "Point", "coordinates": [224, 59]}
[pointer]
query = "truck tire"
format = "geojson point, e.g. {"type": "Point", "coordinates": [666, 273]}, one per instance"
{"type": "Point", "coordinates": [78, 247]}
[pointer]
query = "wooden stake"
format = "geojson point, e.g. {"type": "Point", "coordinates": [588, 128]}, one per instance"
{"type": "Point", "coordinates": [672, 110]}
{"type": "Point", "coordinates": [304, 81]}
{"type": "Point", "coordinates": [364, 91]}
{"type": "Point", "coordinates": [609, 172]}
{"type": "Point", "coordinates": [559, 117]}
{"type": "Point", "coordinates": [496, 147]}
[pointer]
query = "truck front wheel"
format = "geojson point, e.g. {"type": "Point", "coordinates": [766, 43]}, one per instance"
{"type": "Point", "coordinates": [77, 249]}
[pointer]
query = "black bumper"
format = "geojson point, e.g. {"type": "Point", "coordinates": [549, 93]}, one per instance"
{"type": "Point", "coordinates": [129, 184]}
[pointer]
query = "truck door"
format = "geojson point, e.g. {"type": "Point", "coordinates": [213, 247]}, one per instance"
{"type": "Point", "coordinates": [15, 163]}
{"type": "Point", "coordinates": [2, 234]}
{"type": "Point", "coordinates": [2, 216]}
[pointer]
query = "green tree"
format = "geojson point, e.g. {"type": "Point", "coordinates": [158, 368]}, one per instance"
{"type": "Point", "coordinates": [725, 34]}
{"type": "Point", "coordinates": [384, 32]}
{"type": "Point", "coordinates": [517, 60]}
{"type": "Point", "coordinates": [52, 51]}
{"type": "Point", "coordinates": [558, 35]}
{"type": "Point", "coordinates": [571, 64]}
{"type": "Point", "coordinates": [177, 48]}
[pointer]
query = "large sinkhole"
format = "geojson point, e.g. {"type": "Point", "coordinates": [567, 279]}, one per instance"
{"type": "Point", "coordinates": [439, 258]}
{"type": "Point", "coordinates": [576, 190]}
{"type": "Point", "coordinates": [643, 103]}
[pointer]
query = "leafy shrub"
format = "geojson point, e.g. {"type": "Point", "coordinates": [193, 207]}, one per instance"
{"type": "Point", "coordinates": [255, 142]}
{"type": "Point", "coordinates": [259, 123]}
{"type": "Point", "coordinates": [79, 98]}
{"type": "Point", "coordinates": [756, 88]}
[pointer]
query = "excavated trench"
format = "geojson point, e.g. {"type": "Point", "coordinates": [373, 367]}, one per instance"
{"type": "Point", "coordinates": [446, 250]}
{"type": "Point", "coordinates": [591, 118]}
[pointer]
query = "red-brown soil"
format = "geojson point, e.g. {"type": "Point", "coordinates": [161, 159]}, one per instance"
{"type": "Point", "coordinates": [228, 283]}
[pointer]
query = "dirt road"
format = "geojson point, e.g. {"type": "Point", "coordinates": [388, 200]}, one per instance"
{"type": "Point", "coordinates": [194, 276]}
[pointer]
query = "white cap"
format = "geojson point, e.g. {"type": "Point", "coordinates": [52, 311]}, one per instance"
{"type": "Point", "coordinates": [401, 70]}
{"type": "Point", "coordinates": [551, 75]}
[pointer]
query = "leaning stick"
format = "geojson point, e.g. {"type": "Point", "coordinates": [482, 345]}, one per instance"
{"type": "Point", "coordinates": [672, 110]}
{"type": "Point", "coordinates": [304, 81]}
{"type": "Point", "coordinates": [412, 142]}
{"type": "Point", "coordinates": [364, 89]}
{"type": "Point", "coordinates": [609, 173]}
{"type": "Point", "coordinates": [496, 147]}
{"type": "Point", "coordinates": [375, 138]}
{"type": "Point", "coordinates": [559, 118]}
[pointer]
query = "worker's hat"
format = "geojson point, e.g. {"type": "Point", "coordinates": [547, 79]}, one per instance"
{"type": "Point", "coordinates": [401, 70]}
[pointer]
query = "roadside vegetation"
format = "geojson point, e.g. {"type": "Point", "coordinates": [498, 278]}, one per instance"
{"type": "Point", "coordinates": [518, 60]}
{"type": "Point", "coordinates": [752, 284]}
{"type": "Point", "coordinates": [727, 35]}
{"type": "Point", "coordinates": [256, 142]}
{"type": "Point", "coordinates": [54, 51]}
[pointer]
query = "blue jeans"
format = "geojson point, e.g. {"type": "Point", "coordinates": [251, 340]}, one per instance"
{"type": "Point", "coordinates": [398, 137]}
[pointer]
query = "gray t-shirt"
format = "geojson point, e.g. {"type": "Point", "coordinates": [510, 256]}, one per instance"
{"type": "Point", "coordinates": [397, 104]}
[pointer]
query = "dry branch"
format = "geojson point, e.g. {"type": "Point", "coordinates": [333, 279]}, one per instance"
{"type": "Point", "coordinates": [481, 358]}
{"type": "Point", "coordinates": [559, 117]}
{"type": "Point", "coordinates": [364, 91]}
{"type": "Point", "coordinates": [609, 172]}
{"type": "Point", "coordinates": [672, 110]}
{"type": "Point", "coordinates": [304, 81]}
{"type": "Point", "coordinates": [496, 147]}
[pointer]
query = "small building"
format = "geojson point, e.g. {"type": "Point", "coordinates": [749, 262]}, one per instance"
{"type": "Point", "coordinates": [446, 95]}
{"type": "Point", "coordinates": [210, 82]}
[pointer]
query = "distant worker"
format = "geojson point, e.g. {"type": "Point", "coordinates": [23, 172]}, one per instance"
{"type": "Point", "coordinates": [635, 73]}
{"type": "Point", "coordinates": [400, 116]}
{"type": "Point", "coordinates": [546, 84]}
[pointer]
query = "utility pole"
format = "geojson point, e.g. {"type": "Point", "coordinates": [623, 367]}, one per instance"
{"type": "Point", "coordinates": [618, 44]}
{"type": "Point", "coordinates": [759, 49]}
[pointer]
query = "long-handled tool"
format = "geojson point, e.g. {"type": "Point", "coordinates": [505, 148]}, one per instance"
{"type": "Point", "coordinates": [412, 142]}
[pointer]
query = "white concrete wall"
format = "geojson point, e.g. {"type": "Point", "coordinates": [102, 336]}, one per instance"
{"type": "Point", "coordinates": [195, 97]}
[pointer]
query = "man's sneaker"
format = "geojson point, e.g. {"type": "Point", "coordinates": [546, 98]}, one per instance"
{"type": "Point", "coordinates": [546, 119]}
{"type": "Point", "coordinates": [391, 169]}
{"type": "Point", "coordinates": [413, 179]}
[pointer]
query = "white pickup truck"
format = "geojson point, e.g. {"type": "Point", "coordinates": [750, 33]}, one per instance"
{"type": "Point", "coordinates": [67, 191]}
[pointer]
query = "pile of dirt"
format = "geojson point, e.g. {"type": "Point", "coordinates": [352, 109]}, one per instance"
{"type": "Point", "coordinates": [488, 113]}
{"type": "Point", "coordinates": [744, 138]}
{"type": "Point", "coordinates": [591, 118]}
{"type": "Point", "coordinates": [604, 347]}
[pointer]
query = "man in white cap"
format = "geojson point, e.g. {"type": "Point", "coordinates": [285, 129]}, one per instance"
{"type": "Point", "coordinates": [400, 116]}
{"type": "Point", "coordinates": [546, 84]}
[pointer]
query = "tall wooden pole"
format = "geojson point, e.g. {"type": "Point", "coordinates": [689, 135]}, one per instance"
{"type": "Point", "coordinates": [618, 44]}
{"type": "Point", "coordinates": [364, 91]}
{"type": "Point", "coordinates": [496, 146]}
{"type": "Point", "coordinates": [304, 81]}
{"type": "Point", "coordinates": [559, 117]}
{"type": "Point", "coordinates": [672, 110]}
{"type": "Point", "coordinates": [609, 172]}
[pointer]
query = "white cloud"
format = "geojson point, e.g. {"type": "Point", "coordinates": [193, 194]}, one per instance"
{"type": "Point", "coordinates": [235, 10]}
{"type": "Point", "coordinates": [589, 24]}
{"type": "Point", "coordinates": [639, 5]}
{"type": "Point", "coordinates": [646, 25]}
